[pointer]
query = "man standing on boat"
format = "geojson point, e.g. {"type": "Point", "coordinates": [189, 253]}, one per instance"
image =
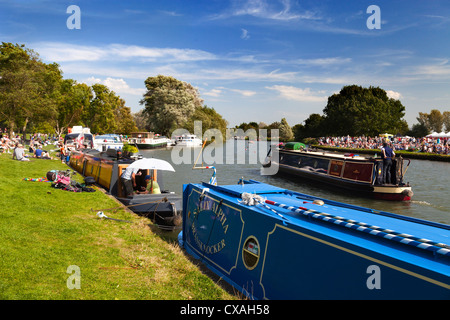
{"type": "Point", "coordinates": [128, 178]}
{"type": "Point", "coordinates": [387, 154]}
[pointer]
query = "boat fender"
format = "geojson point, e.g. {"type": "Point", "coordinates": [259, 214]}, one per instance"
{"type": "Point", "coordinates": [318, 202]}
{"type": "Point", "coordinates": [408, 193]}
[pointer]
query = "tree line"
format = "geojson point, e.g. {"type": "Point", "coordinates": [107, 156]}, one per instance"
{"type": "Point", "coordinates": [34, 97]}
{"type": "Point", "coordinates": [359, 111]}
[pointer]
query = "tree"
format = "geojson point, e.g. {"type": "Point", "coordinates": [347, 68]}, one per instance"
{"type": "Point", "coordinates": [74, 99]}
{"type": "Point", "coordinates": [286, 133]}
{"type": "Point", "coordinates": [210, 120]}
{"type": "Point", "coordinates": [418, 130]}
{"type": "Point", "coordinates": [124, 119]}
{"type": "Point", "coordinates": [100, 115]}
{"type": "Point", "coordinates": [359, 111]}
{"type": "Point", "coordinates": [28, 87]}
{"type": "Point", "coordinates": [435, 120]}
{"type": "Point", "coordinates": [169, 103]}
{"type": "Point", "coordinates": [446, 118]}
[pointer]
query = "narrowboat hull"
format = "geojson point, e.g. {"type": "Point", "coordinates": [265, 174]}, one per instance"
{"type": "Point", "coordinates": [289, 246]}
{"type": "Point", "coordinates": [360, 175]}
{"type": "Point", "coordinates": [153, 145]}
{"type": "Point", "coordinates": [164, 209]}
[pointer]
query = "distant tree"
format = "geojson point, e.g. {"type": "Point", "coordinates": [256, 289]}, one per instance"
{"type": "Point", "coordinates": [446, 118]}
{"type": "Point", "coordinates": [433, 121]}
{"type": "Point", "coordinates": [210, 120]}
{"type": "Point", "coordinates": [141, 120]}
{"type": "Point", "coordinates": [436, 120]}
{"type": "Point", "coordinates": [124, 119]}
{"type": "Point", "coordinates": [169, 103]}
{"type": "Point", "coordinates": [286, 133]}
{"type": "Point", "coordinates": [359, 111]}
{"type": "Point", "coordinates": [418, 130]}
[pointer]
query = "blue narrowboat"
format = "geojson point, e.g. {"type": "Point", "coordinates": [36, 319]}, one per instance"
{"type": "Point", "coordinates": [273, 243]}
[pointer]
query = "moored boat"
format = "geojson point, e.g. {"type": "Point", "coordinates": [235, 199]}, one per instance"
{"type": "Point", "coordinates": [188, 140]}
{"type": "Point", "coordinates": [344, 171]}
{"type": "Point", "coordinates": [164, 208]}
{"type": "Point", "coordinates": [273, 243]}
{"type": "Point", "coordinates": [108, 141]}
{"type": "Point", "coordinates": [148, 140]}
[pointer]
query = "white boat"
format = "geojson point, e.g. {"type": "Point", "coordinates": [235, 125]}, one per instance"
{"type": "Point", "coordinates": [188, 140]}
{"type": "Point", "coordinates": [148, 140]}
{"type": "Point", "coordinates": [108, 141]}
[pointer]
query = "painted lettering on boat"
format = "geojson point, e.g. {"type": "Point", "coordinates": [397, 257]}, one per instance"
{"type": "Point", "coordinates": [210, 207]}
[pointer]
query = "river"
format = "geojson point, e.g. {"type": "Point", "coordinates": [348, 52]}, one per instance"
{"type": "Point", "coordinates": [429, 179]}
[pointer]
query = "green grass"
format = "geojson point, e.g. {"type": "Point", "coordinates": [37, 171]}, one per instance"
{"type": "Point", "coordinates": [44, 230]}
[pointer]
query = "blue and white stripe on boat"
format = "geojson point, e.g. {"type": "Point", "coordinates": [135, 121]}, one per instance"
{"type": "Point", "coordinates": [421, 243]}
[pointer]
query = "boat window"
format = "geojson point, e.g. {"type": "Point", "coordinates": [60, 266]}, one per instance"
{"type": "Point", "coordinates": [251, 253]}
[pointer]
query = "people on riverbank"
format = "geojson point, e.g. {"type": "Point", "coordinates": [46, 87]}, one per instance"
{"type": "Point", "coordinates": [19, 153]}
{"type": "Point", "coordinates": [429, 145]}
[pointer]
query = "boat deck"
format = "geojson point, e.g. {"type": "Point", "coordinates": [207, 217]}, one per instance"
{"type": "Point", "coordinates": [343, 220]}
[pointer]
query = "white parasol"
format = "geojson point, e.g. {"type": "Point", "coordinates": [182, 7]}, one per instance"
{"type": "Point", "coordinates": [152, 163]}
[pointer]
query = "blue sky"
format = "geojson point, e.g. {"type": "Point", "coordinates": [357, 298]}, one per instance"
{"type": "Point", "coordinates": [251, 60]}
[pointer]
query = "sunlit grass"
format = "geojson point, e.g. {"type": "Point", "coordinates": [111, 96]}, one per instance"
{"type": "Point", "coordinates": [44, 230]}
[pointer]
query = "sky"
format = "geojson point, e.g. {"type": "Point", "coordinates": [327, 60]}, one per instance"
{"type": "Point", "coordinates": [251, 60]}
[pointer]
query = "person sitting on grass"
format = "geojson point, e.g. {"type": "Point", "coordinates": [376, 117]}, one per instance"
{"type": "Point", "coordinates": [41, 154]}
{"type": "Point", "coordinates": [19, 153]}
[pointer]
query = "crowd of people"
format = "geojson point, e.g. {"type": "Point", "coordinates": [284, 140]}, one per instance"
{"type": "Point", "coordinates": [14, 145]}
{"type": "Point", "coordinates": [425, 144]}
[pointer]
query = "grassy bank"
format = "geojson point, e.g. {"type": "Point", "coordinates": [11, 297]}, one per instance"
{"type": "Point", "coordinates": [404, 154]}
{"type": "Point", "coordinates": [44, 230]}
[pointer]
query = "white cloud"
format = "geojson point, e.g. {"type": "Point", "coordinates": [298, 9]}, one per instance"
{"type": "Point", "coordinates": [393, 94]}
{"type": "Point", "coordinates": [119, 86]}
{"type": "Point", "coordinates": [64, 52]}
{"type": "Point", "coordinates": [245, 93]}
{"type": "Point", "coordinates": [213, 93]}
{"type": "Point", "coordinates": [299, 94]}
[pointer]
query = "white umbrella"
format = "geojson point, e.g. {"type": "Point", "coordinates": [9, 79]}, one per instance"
{"type": "Point", "coordinates": [152, 163]}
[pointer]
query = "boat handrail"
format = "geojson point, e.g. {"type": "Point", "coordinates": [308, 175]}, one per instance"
{"type": "Point", "coordinates": [388, 234]}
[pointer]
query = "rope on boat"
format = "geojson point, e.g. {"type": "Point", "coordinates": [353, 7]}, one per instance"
{"type": "Point", "coordinates": [407, 239]}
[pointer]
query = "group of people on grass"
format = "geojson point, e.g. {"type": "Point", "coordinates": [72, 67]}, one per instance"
{"type": "Point", "coordinates": [425, 144]}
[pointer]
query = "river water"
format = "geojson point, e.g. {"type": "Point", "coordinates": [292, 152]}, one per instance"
{"type": "Point", "coordinates": [430, 180]}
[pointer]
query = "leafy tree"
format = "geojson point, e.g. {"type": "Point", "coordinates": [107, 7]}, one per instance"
{"type": "Point", "coordinates": [435, 120]}
{"type": "Point", "coordinates": [169, 103]}
{"type": "Point", "coordinates": [28, 87]}
{"type": "Point", "coordinates": [418, 130]}
{"type": "Point", "coordinates": [100, 114]}
{"type": "Point", "coordinates": [210, 120]}
{"type": "Point", "coordinates": [446, 118]}
{"type": "Point", "coordinates": [124, 119]}
{"type": "Point", "coordinates": [74, 99]}
{"type": "Point", "coordinates": [359, 111]}
{"type": "Point", "coordinates": [286, 133]}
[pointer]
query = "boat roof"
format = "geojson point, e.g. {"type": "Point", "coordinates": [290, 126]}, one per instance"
{"type": "Point", "coordinates": [343, 156]}
{"type": "Point", "coordinates": [348, 219]}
